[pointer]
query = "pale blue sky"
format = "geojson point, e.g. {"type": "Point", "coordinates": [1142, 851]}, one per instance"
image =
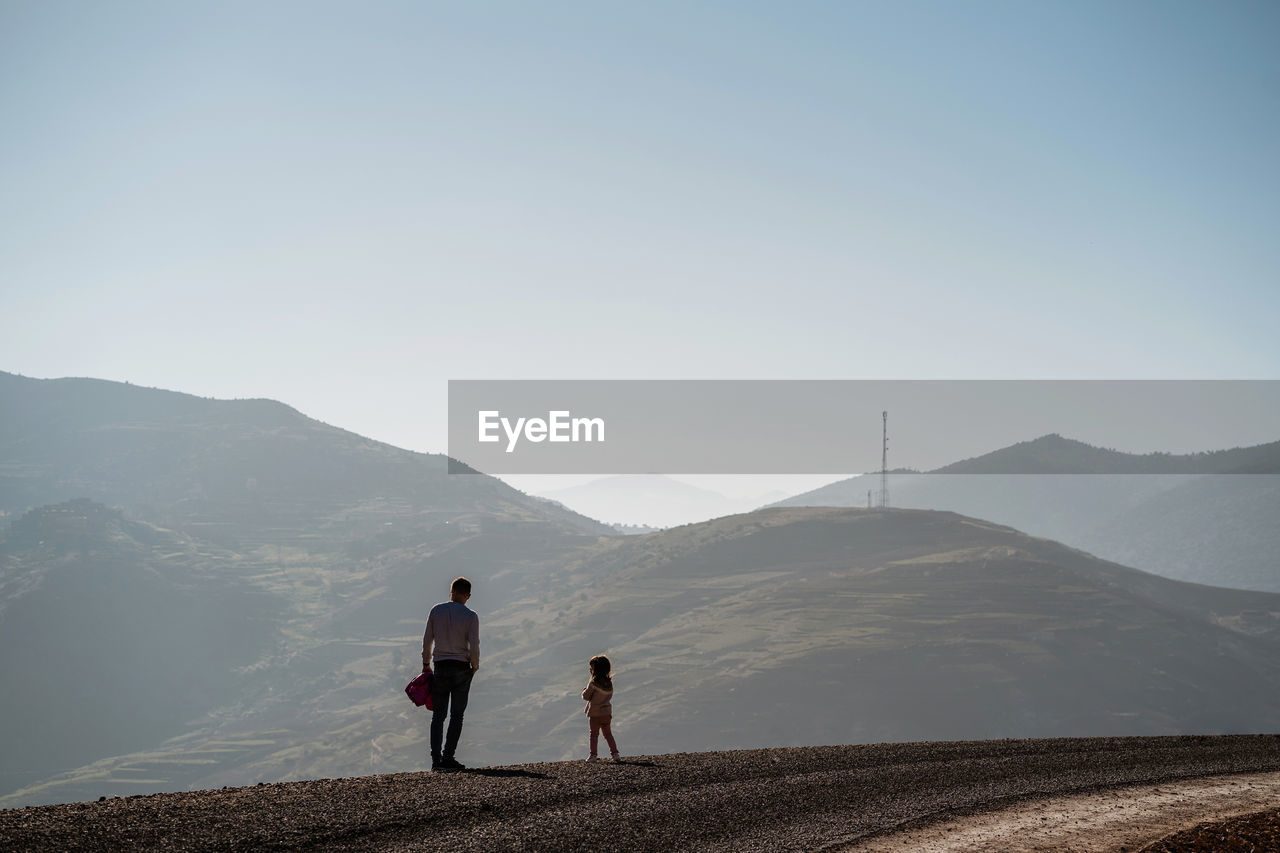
{"type": "Point", "coordinates": [343, 205]}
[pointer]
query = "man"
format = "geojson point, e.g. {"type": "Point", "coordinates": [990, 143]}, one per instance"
{"type": "Point", "coordinates": [454, 630]}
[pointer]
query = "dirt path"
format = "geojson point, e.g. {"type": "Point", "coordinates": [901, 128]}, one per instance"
{"type": "Point", "coordinates": [1124, 819]}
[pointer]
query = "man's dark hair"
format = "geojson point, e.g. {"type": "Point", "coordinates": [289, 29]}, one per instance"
{"type": "Point", "coordinates": [462, 586]}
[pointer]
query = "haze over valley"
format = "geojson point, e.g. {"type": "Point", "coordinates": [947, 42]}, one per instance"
{"type": "Point", "coordinates": [254, 583]}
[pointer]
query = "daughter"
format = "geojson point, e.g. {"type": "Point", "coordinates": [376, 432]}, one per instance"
{"type": "Point", "coordinates": [599, 710]}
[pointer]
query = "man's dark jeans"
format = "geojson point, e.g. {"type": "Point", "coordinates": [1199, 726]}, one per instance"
{"type": "Point", "coordinates": [449, 691]}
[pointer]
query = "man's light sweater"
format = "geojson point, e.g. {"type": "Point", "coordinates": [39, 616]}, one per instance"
{"type": "Point", "coordinates": [454, 629]}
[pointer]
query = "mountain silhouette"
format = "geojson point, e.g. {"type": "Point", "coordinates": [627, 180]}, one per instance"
{"type": "Point", "coordinates": [232, 471]}
{"type": "Point", "coordinates": [1053, 454]}
{"type": "Point", "coordinates": [1203, 517]}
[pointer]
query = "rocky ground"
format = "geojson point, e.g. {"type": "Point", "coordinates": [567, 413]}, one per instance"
{"type": "Point", "coordinates": [1107, 820]}
{"type": "Point", "coordinates": [817, 798]}
{"type": "Point", "coordinates": [1255, 833]}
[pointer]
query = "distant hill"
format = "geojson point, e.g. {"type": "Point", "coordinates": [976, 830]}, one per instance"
{"type": "Point", "coordinates": [1184, 517]}
{"type": "Point", "coordinates": [249, 586]}
{"type": "Point", "coordinates": [239, 472]}
{"type": "Point", "coordinates": [797, 626]}
{"type": "Point", "coordinates": [1053, 454]}
{"type": "Point", "coordinates": [780, 627]}
{"type": "Point", "coordinates": [203, 562]}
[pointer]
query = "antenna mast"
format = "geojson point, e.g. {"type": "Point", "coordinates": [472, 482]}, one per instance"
{"type": "Point", "coordinates": [884, 465]}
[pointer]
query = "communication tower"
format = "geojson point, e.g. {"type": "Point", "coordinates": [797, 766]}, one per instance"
{"type": "Point", "coordinates": [884, 464]}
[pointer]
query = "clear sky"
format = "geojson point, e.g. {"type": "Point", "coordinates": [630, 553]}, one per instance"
{"type": "Point", "coordinates": [343, 205]}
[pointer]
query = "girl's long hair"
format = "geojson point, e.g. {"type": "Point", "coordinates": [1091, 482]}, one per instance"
{"type": "Point", "coordinates": [602, 671]}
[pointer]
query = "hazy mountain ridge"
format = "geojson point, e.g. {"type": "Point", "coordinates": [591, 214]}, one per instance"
{"type": "Point", "coordinates": [778, 627]}
{"type": "Point", "coordinates": [228, 469]}
{"type": "Point", "coordinates": [1053, 454]}
{"type": "Point", "coordinates": [1205, 527]}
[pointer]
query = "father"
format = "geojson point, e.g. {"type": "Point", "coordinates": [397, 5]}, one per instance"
{"type": "Point", "coordinates": [454, 629]}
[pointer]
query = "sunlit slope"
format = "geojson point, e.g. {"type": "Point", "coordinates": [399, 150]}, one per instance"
{"type": "Point", "coordinates": [820, 625]}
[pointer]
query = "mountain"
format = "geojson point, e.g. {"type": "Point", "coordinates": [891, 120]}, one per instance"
{"type": "Point", "coordinates": [238, 472]}
{"type": "Point", "coordinates": [803, 626]}
{"type": "Point", "coordinates": [260, 631]}
{"type": "Point", "coordinates": [114, 634]}
{"type": "Point", "coordinates": [1206, 517]}
{"type": "Point", "coordinates": [788, 626]}
{"type": "Point", "coordinates": [205, 563]}
{"type": "Point", "coordinates": [1053, 454]}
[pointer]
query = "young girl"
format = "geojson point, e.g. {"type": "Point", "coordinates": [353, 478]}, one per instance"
{"type": "Point", "coordinates": [599, 697]}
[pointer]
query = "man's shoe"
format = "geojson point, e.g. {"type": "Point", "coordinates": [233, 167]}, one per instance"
{"type": "Point", "coordinates": [451, 763]}
{"type": "Point", "coordinates": [617, 757]}
{"type": "Point", "coordinates": [591, 758]}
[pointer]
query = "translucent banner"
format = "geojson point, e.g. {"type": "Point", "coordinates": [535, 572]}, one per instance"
{"type": "Point", "coordinates": [838, 426]}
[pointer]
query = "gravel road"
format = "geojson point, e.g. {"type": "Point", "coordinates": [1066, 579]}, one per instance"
{"type": "Point", "coordinates": [812, 798]}
{"type": "Point", "coordinates": [1249, 834]}
{"type": "Point", "coordinates": [1107, 821]}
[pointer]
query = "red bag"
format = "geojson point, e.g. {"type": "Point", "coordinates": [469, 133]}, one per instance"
{"type": "Point", "coordinates": [419, 690]}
